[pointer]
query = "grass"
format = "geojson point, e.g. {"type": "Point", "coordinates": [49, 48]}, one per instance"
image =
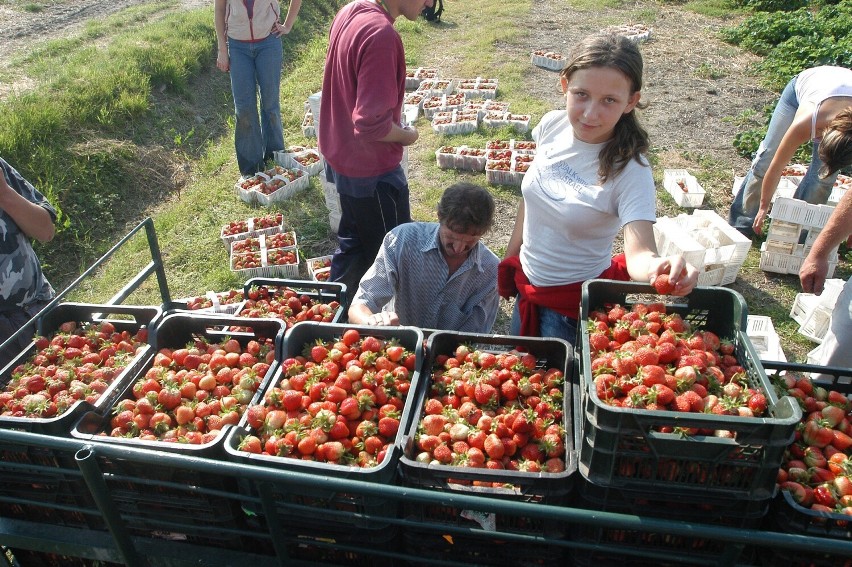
{"type": "Point", "coordinates": [142, 126]}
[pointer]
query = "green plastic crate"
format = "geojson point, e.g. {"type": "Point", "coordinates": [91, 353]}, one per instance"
{"type": "Point", "coordinates": [132, 319]}
{"type": "Point", "coordinates": [623, 448]}
{"type": "Point", "coordinates": [730, 513]}
{"type": "Point", "coordinates": [308, 513]}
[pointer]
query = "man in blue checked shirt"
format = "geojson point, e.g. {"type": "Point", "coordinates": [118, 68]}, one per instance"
{"type": "Point", "coordinates": [435, 275]}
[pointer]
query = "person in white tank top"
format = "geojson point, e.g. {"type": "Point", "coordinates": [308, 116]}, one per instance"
{"type": "Point", "coordinates": [815, 106]}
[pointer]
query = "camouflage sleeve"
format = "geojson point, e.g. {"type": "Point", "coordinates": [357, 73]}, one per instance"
{"type": "Point", "coordinates": [17, 182]}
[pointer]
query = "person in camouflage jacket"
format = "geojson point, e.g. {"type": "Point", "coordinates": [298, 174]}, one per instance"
{"type": "Point", "coordinates": [24, 214]}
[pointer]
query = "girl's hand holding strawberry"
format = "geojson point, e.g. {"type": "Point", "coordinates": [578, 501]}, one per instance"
{"type": "Point", "coordinates": [672, 275]}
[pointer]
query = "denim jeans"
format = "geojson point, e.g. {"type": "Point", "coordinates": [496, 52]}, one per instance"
{"type": "Point", "coordinates": [811, 189]}
{"type": "Point", "coordinates": [364, 222]}
{"type": "Point", "coordinates": [256, 69]}
{"type": "Point", "coordinates": [550, 322]}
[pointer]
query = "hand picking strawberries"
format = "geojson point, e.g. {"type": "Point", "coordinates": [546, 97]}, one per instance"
{"type": "Point", "coordinates": [667, 284]}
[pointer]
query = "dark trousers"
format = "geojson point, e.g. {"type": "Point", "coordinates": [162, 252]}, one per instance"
{"type": "Point", "coordinates": [10, 322]}
{"type": "Point", "coordinates": [363, 225]}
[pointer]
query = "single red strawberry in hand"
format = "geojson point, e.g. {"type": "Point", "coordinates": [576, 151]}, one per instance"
{"type": "Point", "coordinates": [663, 285]}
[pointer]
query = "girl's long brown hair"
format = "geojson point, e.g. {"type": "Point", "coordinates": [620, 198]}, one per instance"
{"type": "Point", "coordinates": [630, 140]}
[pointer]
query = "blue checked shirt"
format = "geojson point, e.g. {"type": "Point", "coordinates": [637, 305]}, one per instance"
{"type": "Point", "coordinates": [409, 277]}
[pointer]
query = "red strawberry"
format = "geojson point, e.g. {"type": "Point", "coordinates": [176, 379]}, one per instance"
{"type": "Point", "coordinates": [664, 394]}
{"type": "Point", "coordinates": [486, 394]}
{"type": "Point", "coordinates": [646, 356]}
{"type": "Point", "coordinates": [652, 374]}
{"type": "Point", "coordinates": [598, 341]}
{"type": "Point", "coordinates": [443, 454]}
{"type": "Point", "coordinates": [757, 403]}
{"type": "Point", "coordinates": [318, 353]}
{"type": "Point", "coordinates": [666, 352]}
{"type": "Point", "coordinates": [663, 285]}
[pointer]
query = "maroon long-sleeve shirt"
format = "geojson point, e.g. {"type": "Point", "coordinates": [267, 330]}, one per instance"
{"type": "Point", "coordinates": [362, 91]}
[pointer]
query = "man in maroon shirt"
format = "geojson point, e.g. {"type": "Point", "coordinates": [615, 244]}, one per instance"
{"type": "Point", "coordinates": [361, 134]}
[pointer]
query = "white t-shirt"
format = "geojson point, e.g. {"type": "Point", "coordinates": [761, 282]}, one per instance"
{"type": "Point", "coordinates": [570, 220]}
{"type": "Point", "coordinates": [816, 84]}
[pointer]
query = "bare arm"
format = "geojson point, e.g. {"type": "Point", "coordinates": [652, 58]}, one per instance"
{"type": "Point", "coordinates": [405, 136]}
{"type": "Point", "coordinates": [798, 133]}
{"type": "Point", "coordinates": [517, 237]}
{"type": "Point", "coordinates": [839, 226]}
{"type": "Point", "coordinates": [644, 264]}
{"type": "Point", "coordinates": [280, 29]}
{"type": "Point", "coordinates": [223, 62]}
{"type": "Point", "coordinates": [32, 219]}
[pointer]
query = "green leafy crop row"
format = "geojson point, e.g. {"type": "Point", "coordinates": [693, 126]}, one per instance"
{"type": "Point", "coordinates": [812, 34]}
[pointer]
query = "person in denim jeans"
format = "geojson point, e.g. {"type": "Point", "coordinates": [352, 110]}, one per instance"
{"type": "Point", "coordinates": [807, 110]}
{"type": "Point", "coordinates": [249, 33]}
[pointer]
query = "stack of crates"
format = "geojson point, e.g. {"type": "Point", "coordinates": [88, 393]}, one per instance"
{"type": "Point", "coordinates": [794, 226]}
{"type": "Point", "coordinates": [767, 344]}
{"type": "Point", "coordinates": [443, 532]}
{"type": "Point", "coordinates": [630, 463]}
{"type": "Point", "coordinates": [706, 241]}
{"type": "Point", "coordinates": [788, 516]}
{"type": "Point", "coordinates": [841, 186]}
{"type": "Point", "coordinates": [813, 312]}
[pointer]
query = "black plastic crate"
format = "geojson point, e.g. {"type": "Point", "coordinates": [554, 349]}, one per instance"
{"type": "Point", "coordinates": [316, 292]}
{"type": "Point", "coordinates": [786, 515]}
{"type": "Point", "coordinates": [45, 485]}
{"type": "Point", "coordinates": [480, 542]}
{"type": "Point", "coordinates": [124, 318]}
{"type": "Point", "coordinates": [731, 513]}
{"type": "Point", "coordinates": [176, 330]}
{"type": "Point", "coordinates": [322, 512]}
{"type": "Point", "coordinates": [167, 502]}
{"type": "Point", "coordinates": [550, 488]}
{"type": "Point", "coordinates": [623, 447]}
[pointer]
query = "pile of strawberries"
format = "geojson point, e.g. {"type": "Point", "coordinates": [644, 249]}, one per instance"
{"type": "Point", "coordinates": [78, 362]}
{"type": "Point", "coordinates": [288, 304]}
{"type": "Point", "coordinates": [340, 402]}
{"type": "Point", "coordinates": [189, 394]}
{"type": "Point", "coordinates": [497, 411]}
{"type": "Point", "coordinates": [646, 358]}
{"type": "Point", "coordinates": [817, 467]}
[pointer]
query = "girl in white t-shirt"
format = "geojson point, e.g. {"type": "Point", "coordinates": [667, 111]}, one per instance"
{"type": "Point", "coordinates": [590, 178]}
